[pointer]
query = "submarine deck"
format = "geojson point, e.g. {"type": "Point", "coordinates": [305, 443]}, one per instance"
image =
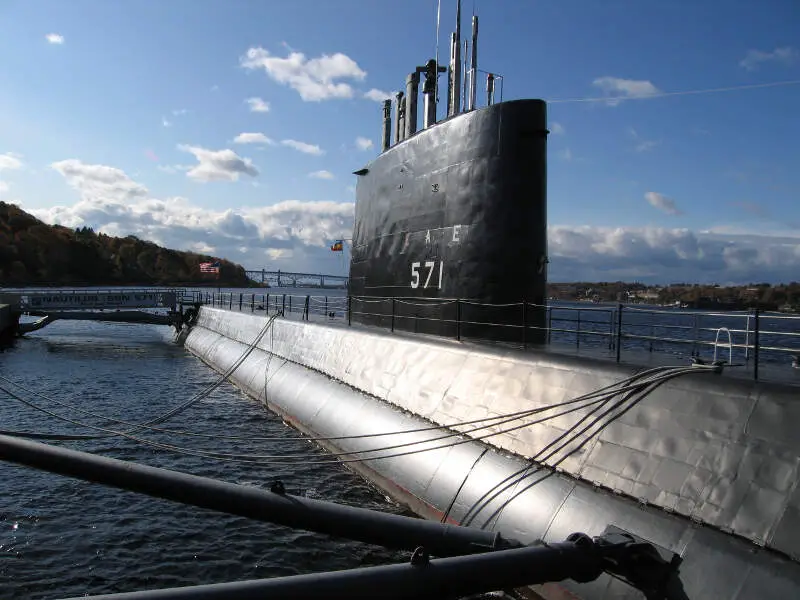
{"type": "Point", "coordinates": [646, 351]}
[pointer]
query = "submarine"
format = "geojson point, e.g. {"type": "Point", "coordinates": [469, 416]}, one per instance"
{"type": "Point", "coordinates": [450, 242]}
{"type": "Point", "coordinates": [454, 210]}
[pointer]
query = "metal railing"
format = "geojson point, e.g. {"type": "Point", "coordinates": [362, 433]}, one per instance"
{"type": "Point", "coordinates": [751, 340]}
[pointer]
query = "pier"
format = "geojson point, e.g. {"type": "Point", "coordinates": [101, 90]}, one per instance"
{"type": "Point", "coordinates": [85, 305]}
{"type": "Point", "coordinates": [298, 280]}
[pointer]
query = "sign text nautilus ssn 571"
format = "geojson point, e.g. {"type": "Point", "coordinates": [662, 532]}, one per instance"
{"type": "Point", "coordinates": [55, 300]}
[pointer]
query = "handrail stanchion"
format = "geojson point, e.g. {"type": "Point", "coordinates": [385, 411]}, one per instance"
{"type": "Point", "coordinates": [230, 301]}
{"type": "Point", "coordinates": [240, 300]}
{"type": "Point", "coordinates": [619, 331]}
{"type": "Point", "coordinates": [756, 343]}
{"type": "Point", "coordinates": [578, 331]}
{"type": "Point", "coordinates": [392, 314]}
{"type": "Point", "coordinates": [747, 338]}
{"type": "Point", "coordinates": [283, 305]}
{"type": "Point", "coordinates": [549, 324]}
{"type": "Point", "coordinates": [252, 303]}
{"type": "Point", "coordinates": [610, 330]}
{"type": "Point", "coordinates": [349, 309]}
{"type": "Point", "coordinates": [326, 306]}
{"type": "Point", "coordinates": [524, 325]}
{"type": "Point", "coordinates": [458, 320]}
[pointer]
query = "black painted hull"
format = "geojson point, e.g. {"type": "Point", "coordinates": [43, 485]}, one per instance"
{"type": "Point", "coordinates": [457, 211]}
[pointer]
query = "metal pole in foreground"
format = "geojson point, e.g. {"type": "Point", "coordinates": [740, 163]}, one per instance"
{"type": "Point", "coordinates": [422, 578]}
{"type": "Point", "coordinates": [372, 527]}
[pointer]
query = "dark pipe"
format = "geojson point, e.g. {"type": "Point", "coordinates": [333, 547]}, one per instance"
{"type": "Point", "coordinates": [372, 527]}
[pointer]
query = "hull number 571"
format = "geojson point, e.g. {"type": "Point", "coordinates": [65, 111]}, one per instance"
{"type": "Point", "coordinates": [422, 273]}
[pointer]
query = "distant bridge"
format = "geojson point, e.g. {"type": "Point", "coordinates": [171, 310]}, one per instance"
{"type": "Point", "coordinates": [297, 280]}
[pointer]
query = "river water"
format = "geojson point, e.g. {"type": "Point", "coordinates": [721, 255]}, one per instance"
{"type": "Point", "coordinates": [63, 537]}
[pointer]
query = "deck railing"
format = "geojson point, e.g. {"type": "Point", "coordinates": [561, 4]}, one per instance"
{"type": "Point", "coordinates": [752, 340]}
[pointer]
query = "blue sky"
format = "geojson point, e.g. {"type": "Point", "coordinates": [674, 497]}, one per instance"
{"type": "Point", "coordinates": [126, 116]}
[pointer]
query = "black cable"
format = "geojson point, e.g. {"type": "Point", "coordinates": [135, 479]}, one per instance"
{"type": "Point", "coordinates": [505, 484]}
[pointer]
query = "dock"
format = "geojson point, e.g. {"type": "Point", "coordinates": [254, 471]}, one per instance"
{"type": "Point", "coordinates": [110, 305]}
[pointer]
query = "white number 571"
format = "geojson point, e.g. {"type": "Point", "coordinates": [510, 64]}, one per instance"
{"type": "Point", "coordinates": [415, 273]}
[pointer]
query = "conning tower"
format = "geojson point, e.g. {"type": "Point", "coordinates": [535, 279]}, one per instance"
{"type": "Point", "coordinates": [450, 234]}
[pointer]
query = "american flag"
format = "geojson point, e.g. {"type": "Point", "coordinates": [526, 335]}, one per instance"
{"type": "Point", "coordinates": [208, 267]}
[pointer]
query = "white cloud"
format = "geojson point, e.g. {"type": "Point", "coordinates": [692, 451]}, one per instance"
{"type": "Point", "coordinates": [299, 234]}
{"type": "Point", "coordinates": [786, 55]}
{"type": "Point", "coordinates": [314, 79]}
{"type": "Point", "coordinates": [656, 255]}
{"type": "Point", "coordinates": [257, 105]}
{"type": "Point", "coordinates": [54, 38]}
{"type": "Point", "coordinates": [3, 186]}
{"type": "Point", "coordinates": [557, 128]}
{"type": "Point", "coordinates": [378, 95]}
{"type": "Point", "coordinates": [10, 161]}
{"type": "Point", "coordinates": [103, 184]}
{"type": "Point", "coordinates": [565, 154]}
{"type": "Point", "coordinates": [179, 112]}
{"type": "Point", "coordinates": [646, 145]}
{"type": "Point", "coordinates": [303, 147]}
{"type": "Point", "coordinates": [662, 203]}
{"type": "Point", "coordinates": [642, 145]}
{"type": "Point", "coordinates": [165, 122]}
{"type": "Point", "coordinates": [218, 165]}
{"type": "Point", "coordinates": [623, 89]}
{"type": "Point", "coordinates": [363, 143]}
{"type": "Point", "coordinates": [252, 138]}
{"type": "Point", "coordinates": [321, 175]}
{"type": "Point", "coordinates": [116, 205]}
{"type": "Point", "coordinates": [173, 168]}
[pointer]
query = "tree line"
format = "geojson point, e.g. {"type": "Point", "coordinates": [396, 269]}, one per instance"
{"type": "Point", "coordinates": [34, 253]}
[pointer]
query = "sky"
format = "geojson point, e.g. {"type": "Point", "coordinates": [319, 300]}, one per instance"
{"type": "Point", "coordinates": [232, 127]}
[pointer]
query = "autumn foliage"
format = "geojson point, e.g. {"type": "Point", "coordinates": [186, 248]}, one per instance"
{"type": "Point", "coordinates": [33, 253]}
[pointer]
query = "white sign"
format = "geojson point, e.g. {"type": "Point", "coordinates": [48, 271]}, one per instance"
{"type": "Point", "coordinates": [55, 300]}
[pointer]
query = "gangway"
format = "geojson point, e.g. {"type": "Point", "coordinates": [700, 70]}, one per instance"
{"type": "Point", "coordinates": [88, 304]}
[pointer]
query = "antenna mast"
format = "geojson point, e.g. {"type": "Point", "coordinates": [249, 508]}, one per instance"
{"type": "Point", "coordinates": [436, 80]}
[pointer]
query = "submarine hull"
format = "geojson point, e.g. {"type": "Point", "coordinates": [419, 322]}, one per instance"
{"type": "Point", "coordinates": [452, 220]}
